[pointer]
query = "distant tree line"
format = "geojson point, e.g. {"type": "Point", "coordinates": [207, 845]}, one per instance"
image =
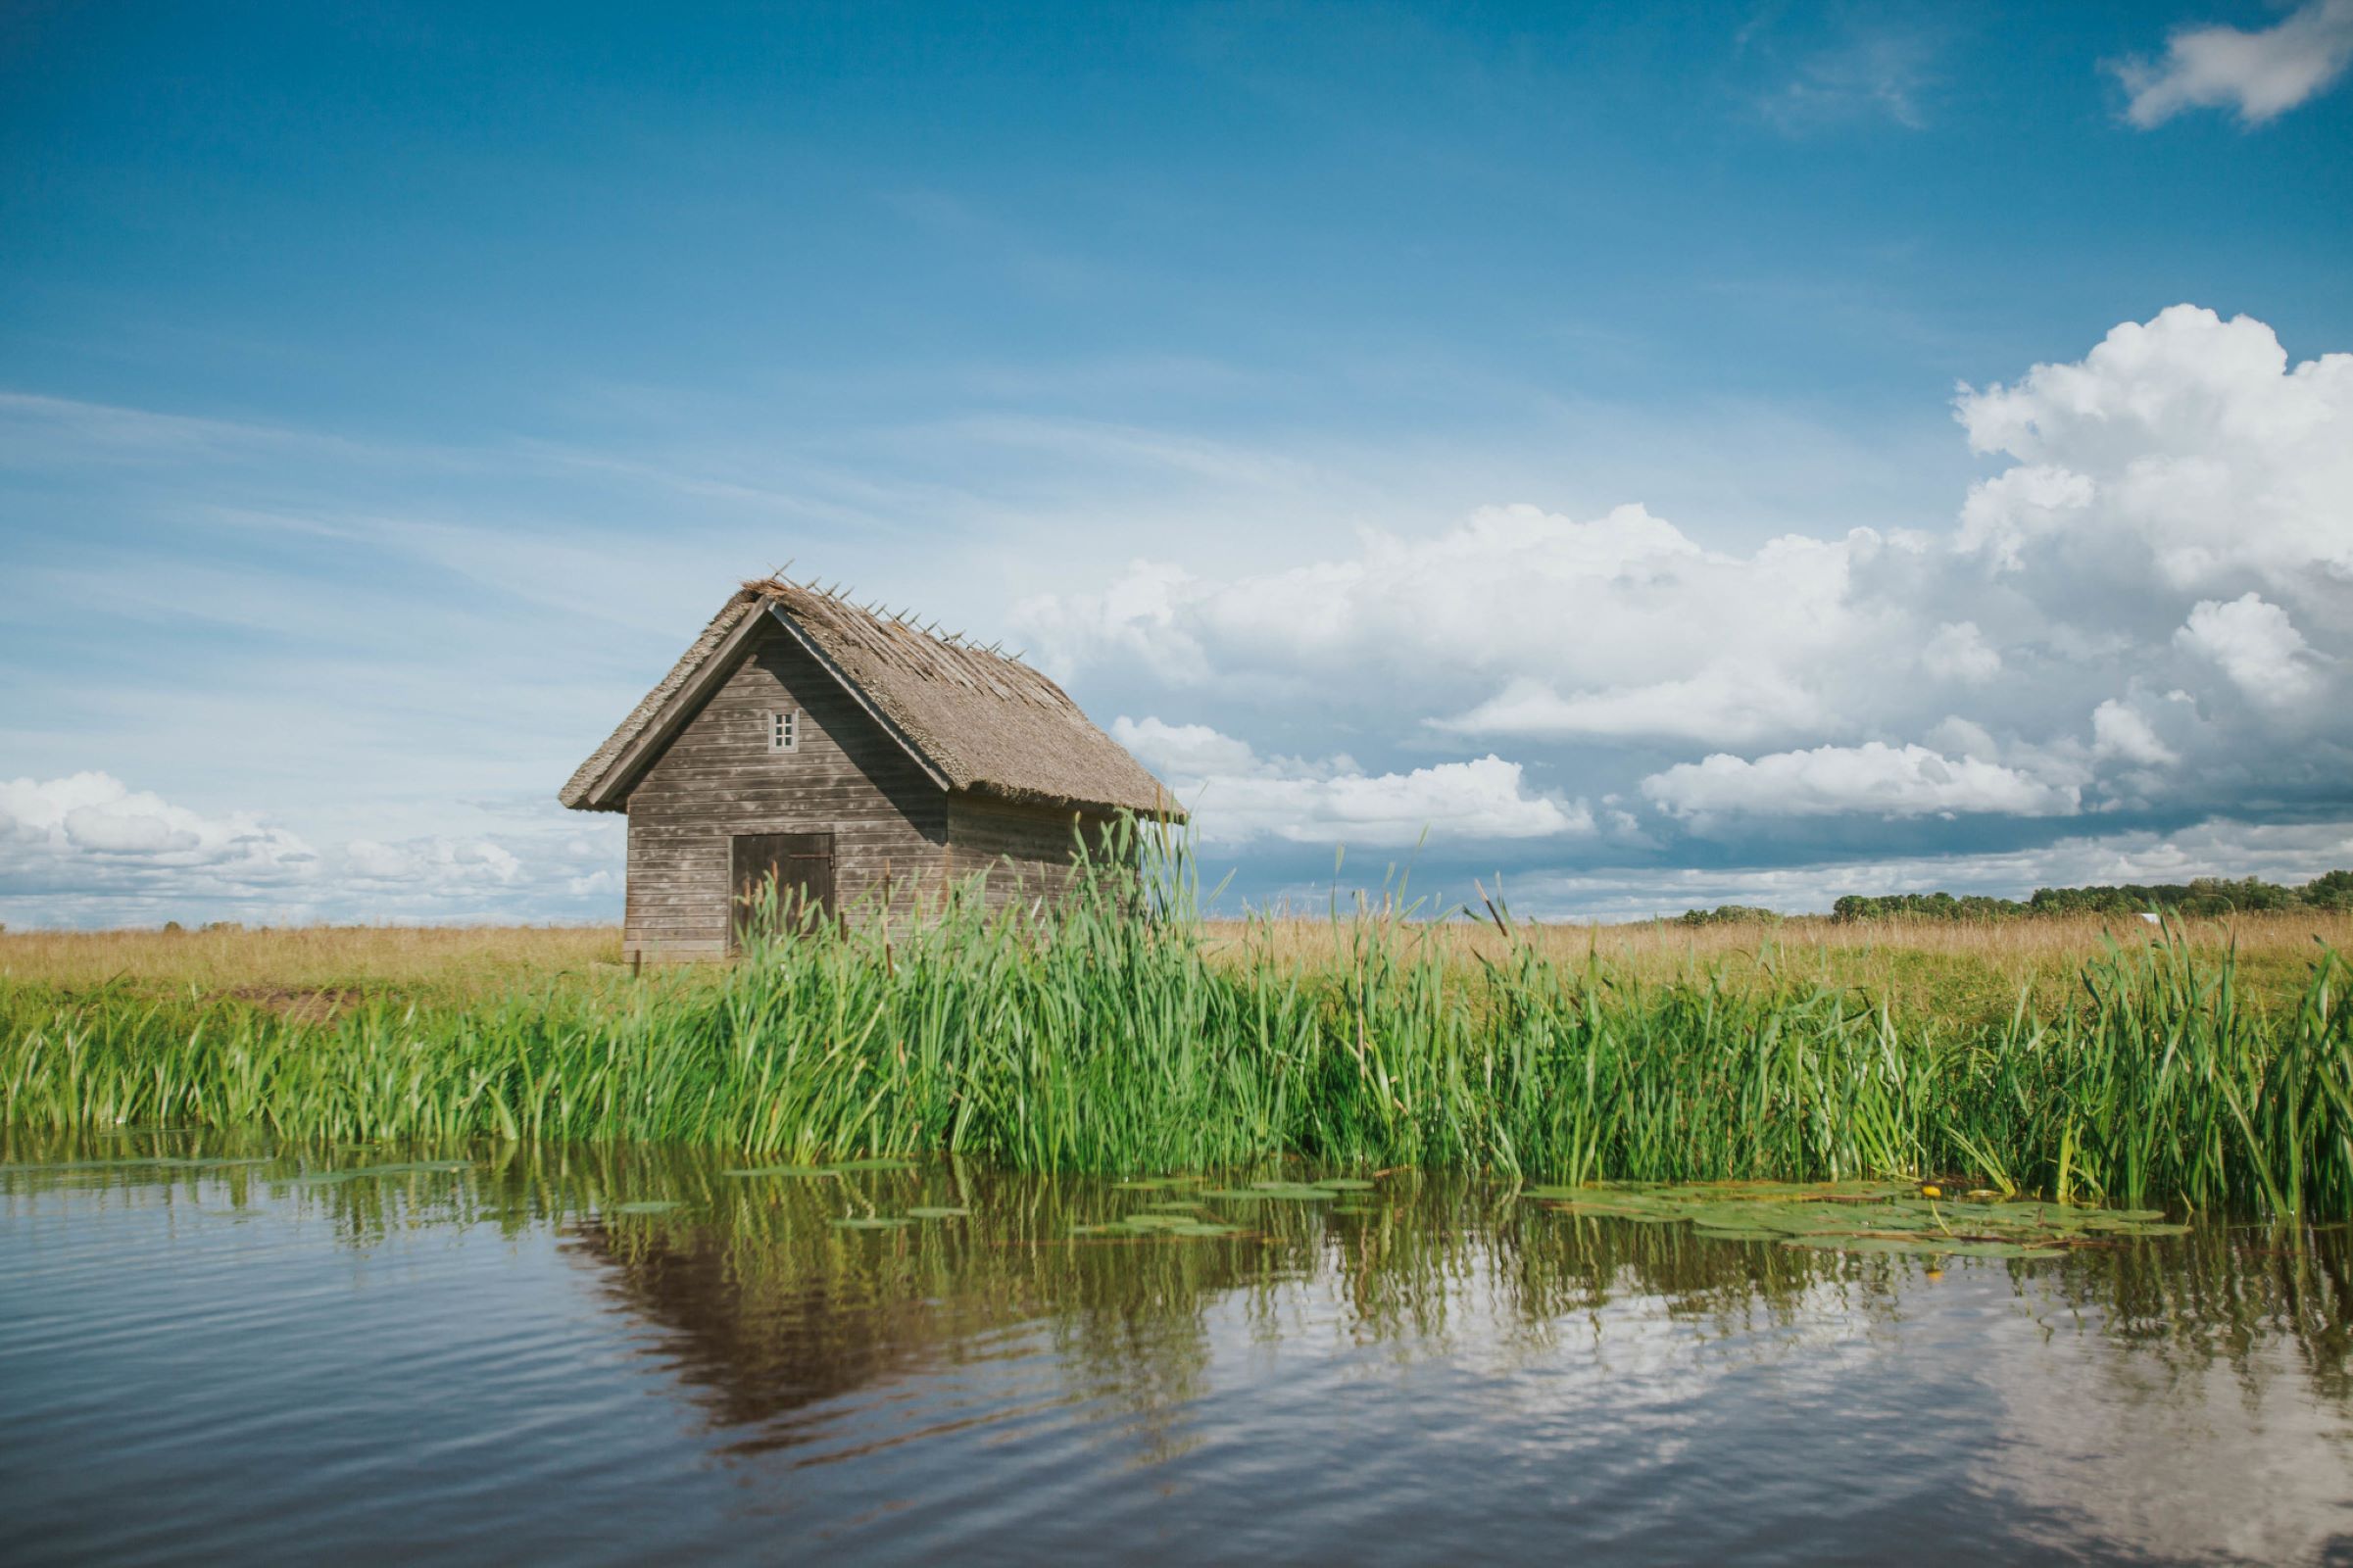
{"type": "Point", "coordinates": [2205, 896]}
{"type": "Point", "coordinates": [1728, 914]}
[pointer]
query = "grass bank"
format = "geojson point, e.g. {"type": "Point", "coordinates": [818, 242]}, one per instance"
{"type": "Point", "coordinates": [1954, 971]}
{"type": "Point", "coordinates": [2143, 1070]}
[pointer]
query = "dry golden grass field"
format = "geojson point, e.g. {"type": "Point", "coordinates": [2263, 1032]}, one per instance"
{"type": "Point", "coordinates": [1963, 971]}
{"type": "Point", "coordinates": [1958, 972]}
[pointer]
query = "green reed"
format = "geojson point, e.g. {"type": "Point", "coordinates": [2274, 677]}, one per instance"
{"type": "Point", "coordinates": [1103, 1035]}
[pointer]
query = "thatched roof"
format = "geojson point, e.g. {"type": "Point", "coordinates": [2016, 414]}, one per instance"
{"type": "Point", "coordinates": [976, 720]}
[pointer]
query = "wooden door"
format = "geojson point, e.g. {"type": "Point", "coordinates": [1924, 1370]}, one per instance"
{"type": "Point", "coordinates": [801, 866]}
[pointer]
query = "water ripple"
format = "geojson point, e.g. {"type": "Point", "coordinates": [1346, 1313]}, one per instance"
{"type": "Point", "coordinates": [214, 1368]}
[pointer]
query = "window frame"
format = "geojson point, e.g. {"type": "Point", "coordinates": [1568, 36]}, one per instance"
{"type": "Point", "coordinates": [780, 730]}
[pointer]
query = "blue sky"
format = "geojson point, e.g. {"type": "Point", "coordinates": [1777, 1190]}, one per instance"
{"type": "Point", "coordinates": [1454, 419]}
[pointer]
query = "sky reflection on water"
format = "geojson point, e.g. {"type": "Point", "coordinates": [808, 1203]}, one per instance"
{"type": "Point", "coordinates": [493, 1363]}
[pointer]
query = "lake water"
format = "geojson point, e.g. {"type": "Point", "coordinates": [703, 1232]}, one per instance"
{"type": "Point", "coordinates": [284, 1360]}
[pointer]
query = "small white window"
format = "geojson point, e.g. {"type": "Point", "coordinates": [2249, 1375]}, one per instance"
{"type": "Point", "coordinates": [784, 730]}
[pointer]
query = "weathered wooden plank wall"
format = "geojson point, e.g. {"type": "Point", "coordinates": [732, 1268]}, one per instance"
{"type": "Point", "coordinates": [717, 780]}
{"type": "Point", "coordinates": [1026, 853]}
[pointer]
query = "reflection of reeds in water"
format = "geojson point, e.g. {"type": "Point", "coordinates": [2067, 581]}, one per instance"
{"type": "Point", "coordinates": [773, 1314]}
{"type": "Point", "coordinates": [1401, 1252]}
{"type": "Point", "coordinates": [2224, 1293]}
{"type": "Point", "coordinates": [1092, 1038]}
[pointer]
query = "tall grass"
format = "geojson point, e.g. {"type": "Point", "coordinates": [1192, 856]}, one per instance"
{"type": "Point", "coordinates": [1107, 1035]}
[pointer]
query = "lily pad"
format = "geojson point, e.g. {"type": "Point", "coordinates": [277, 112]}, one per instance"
{"type": "Point", "coordinates": [1343, 1184]}
{"type": "Point", "coordinates": [1639, 1216]}
{"type": "Point", "coordinates": [932, 1213]}
{"type": "Point", "coordinates": [1151, 1224]}
{"type": "Point", "coordinates": [1857, 1217]}
{"type": "Point", "coordinates": [2000, 1250]}
{"type": "Point", "coordinates": [1297, 1191]}
{"type": "Point", "coordinates": [647, 1205]}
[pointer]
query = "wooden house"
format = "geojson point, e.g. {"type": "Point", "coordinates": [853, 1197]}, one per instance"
{"type": "Point", "coordinates": [862, 761]}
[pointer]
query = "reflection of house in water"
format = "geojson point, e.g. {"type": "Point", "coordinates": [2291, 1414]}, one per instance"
{"type": "Point", "coordinates": [775, 1316]}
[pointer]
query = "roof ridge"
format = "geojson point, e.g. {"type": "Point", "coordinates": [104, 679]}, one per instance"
{"type": "Point", "coordinates": [986, 720]}
{"type": "Point", "coordinates": [929, 653]}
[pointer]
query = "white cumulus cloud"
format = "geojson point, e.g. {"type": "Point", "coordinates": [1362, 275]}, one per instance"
{"type": "Point", "coordinates": [2261, 73]}
{"type": "Point", "coordinates": [88, 849]}
{"type": "Point", "coordinates": [2118, 730]}
{"type": "Point", "coordinates": [96, 821]}
{"type": "Point", "coordinates": [1511, 592]}
{"type": "Point", "coordinates": [1873, 779]}
{"type": "Point", "coordinates": [1235, 796]}
{"type": "Point", "coordinates": [1959, 651]}
{"type": "Point", "coordinates": [1723, 701]}
{"type": "Point", "coordinates": [2257, 646]}
{"type": "Point", "coordinates": [441, 863]}
{"type": "Point", "coordinates": [2183, 475]}
{"type": "Point", "coordinates": [2033, 501]}
{"type": "Point", "coordinates": [2188, 443]}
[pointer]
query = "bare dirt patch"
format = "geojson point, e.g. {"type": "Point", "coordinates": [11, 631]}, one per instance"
{"type": "Point", "coordinates": [300, 1007]}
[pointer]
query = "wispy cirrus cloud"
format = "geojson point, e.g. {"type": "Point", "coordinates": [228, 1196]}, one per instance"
{"type": "Point", "coordinates": [1877, 73]}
